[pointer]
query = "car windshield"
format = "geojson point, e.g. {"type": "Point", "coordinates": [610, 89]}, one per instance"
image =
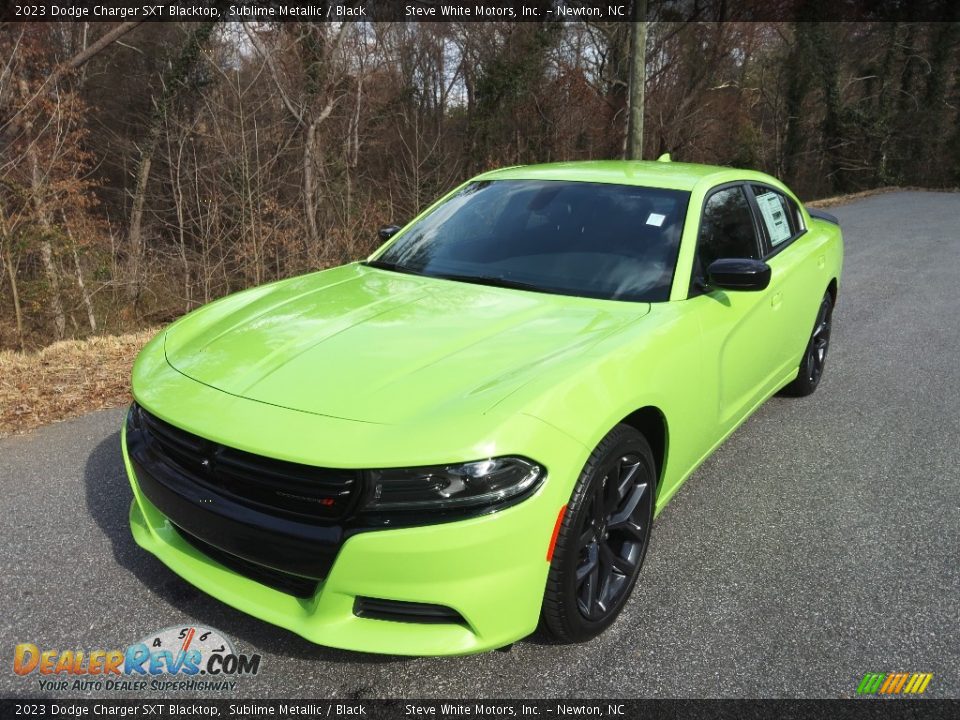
{"type": "Point", "coordinates": [598, 240]}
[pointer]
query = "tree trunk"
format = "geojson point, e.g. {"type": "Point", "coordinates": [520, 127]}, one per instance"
{"type": "Point", "coordinates": [175, 166]}
{"type": "Point", "coordinates": [882, 120]}
{"type": "Point", "coordinates": [135, 231]}
{"type": "Point", "coordinates": [56, 304]}
{"type": "Point", "coordinates": [8, 266]}
{"type": "Point", "coordinates": [87, 302]}
{"type": "Point", "coordinates": [309, 194]}
{"type": "Point", "coordinates": [43, 219]}
{"type": "Point", "coordinates": [906, 126]}
{"type": "Point", "coordinates": [935, 101]}
{"type": "Point", "coordinates": [15, 293]}
{"type": "Point", "coordinates": [174, 82]}
{"type": "Point", "coordinates": [46, 248]}
{"type": "Point", "coordinates": [798, 83]}
{"type": "Point", "coordinates": [638, 78]}
{"type": "Point", "coordinates": [309, 181]}
{"type": "Point", "coordinates": [90, 50]}
{"type": "Point", "coordinates": [826, 50]}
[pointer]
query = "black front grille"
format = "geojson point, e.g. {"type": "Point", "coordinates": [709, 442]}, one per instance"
{"type": "Point", "coordinates": [278, 580]}
{"type": "Point", "coordinates": [276, 486]}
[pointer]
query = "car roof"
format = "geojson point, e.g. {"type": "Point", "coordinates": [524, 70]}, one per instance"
{"type": "Point", "coordinates": [669, 175]}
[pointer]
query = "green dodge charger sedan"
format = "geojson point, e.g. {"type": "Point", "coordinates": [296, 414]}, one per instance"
{"type": "Point", "coordinates": [469, 433]}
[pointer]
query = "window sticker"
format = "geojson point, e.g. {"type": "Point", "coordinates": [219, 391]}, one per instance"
{"type": "Point", "coordinates": [775, 217]}
{"type": "Point", "coordinates": [656, 219]}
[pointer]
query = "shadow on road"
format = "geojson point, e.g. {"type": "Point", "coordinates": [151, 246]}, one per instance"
{"type": "Point", "coordinates": [108, 498]}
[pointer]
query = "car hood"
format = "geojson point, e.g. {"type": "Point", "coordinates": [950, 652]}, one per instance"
{"type": "Point", "coordinates": [382, 347]}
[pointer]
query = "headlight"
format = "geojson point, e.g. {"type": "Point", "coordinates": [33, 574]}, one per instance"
{"type": "Point", "coordinates": [441, 487]}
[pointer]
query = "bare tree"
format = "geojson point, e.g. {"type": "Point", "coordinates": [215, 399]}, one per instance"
{"type": "Point", "coordinates": [638, 80]}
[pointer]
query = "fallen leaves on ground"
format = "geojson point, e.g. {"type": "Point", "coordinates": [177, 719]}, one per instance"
{"type": "Point", "coordinates": [66, 379]}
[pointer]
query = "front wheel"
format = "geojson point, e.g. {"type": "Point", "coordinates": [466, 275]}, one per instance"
{"type": "Point", "coordinates": [603, 538]}
{"type": "Point", "coordinates": [815, 355]}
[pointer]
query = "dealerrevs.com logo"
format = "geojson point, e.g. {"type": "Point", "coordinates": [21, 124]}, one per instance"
{"type": "Point", "coordinates": [176, 658]}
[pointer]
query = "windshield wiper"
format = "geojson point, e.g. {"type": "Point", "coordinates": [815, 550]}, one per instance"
{"type": "Point", "coordinates": [387, 265]}
{"type": "Point", "coordinates": [492, 280]}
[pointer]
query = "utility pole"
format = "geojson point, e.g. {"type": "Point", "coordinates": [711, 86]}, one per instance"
{"type": "Point", "coordinates": [638, 77]}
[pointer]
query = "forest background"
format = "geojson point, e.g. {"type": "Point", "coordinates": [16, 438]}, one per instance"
{"type": "Point", "coordinates": [146, 169]}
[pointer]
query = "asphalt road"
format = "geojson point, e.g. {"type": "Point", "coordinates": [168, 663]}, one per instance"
{"type": "Point", "coordinates": [821, 542]}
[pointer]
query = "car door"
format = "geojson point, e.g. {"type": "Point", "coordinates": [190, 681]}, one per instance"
{"type": "Point", "coordinates": [798, 275]}
{"type": "Point", "coordinates": [739, 328]}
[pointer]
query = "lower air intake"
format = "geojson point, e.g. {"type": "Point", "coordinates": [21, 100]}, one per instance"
{"type": "Point", "coordinates": [295, 585]}
{"type": "Point", "coordinates": [408, 612]}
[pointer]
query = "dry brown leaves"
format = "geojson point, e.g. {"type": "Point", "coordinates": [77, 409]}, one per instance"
{"type": "Point", "coordinates": [844, 199]}
{"type": "Point", "coordinates": [66, 379]}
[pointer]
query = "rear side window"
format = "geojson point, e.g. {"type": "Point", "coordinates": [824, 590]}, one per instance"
{"type": "Point", "coordinates": [726, 230]}
{"type": "Point", "coordinates": [779, 215]}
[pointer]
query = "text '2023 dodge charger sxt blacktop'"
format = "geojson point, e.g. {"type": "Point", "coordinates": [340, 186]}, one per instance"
{"type": "Point", "coordinates": [469, 434]}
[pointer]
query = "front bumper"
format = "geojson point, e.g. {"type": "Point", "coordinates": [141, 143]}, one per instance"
{"type": "Point", "coordinates": [491, 570]}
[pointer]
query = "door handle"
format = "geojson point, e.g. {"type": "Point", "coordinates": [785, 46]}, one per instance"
{"type": "Point", "coordinates": [776, 299]}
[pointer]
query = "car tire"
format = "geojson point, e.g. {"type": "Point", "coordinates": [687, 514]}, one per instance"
{"type": "Point", "coordinates": [603, 538]}
{"type": "Point", "coordinates": [815, 354]}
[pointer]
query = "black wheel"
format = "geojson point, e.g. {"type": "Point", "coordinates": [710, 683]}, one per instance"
{"type": "Point", "coordinates": [815, 356]}
{"type": "Point", "coordinates": [603, 538]}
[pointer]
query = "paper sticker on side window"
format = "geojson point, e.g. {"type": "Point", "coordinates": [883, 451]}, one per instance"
{"type": "Point", "coordinates": [775, 217]}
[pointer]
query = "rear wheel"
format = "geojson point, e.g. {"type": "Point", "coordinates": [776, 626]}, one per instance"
{"type": "Point", "coordinates": [815, 356]}
{"type": "Point", "coordinates": [603, 538]}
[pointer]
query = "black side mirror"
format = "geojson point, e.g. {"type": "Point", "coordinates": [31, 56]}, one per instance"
{"type": "Point", "coordinates": [388, 231]}
{"type": "Point", "coordinates": [739, 274]}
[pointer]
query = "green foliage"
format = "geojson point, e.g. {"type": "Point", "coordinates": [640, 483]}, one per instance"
{"type": "Point", "coordinates": [746, 148]}
{"type": "Point", "coordinates": [508, 80]}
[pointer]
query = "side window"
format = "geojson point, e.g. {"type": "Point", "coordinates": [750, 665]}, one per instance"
{"type": "Point", "coordinates": [779, 215]}
{"type": "Point", "coordinates": [726, 230]}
